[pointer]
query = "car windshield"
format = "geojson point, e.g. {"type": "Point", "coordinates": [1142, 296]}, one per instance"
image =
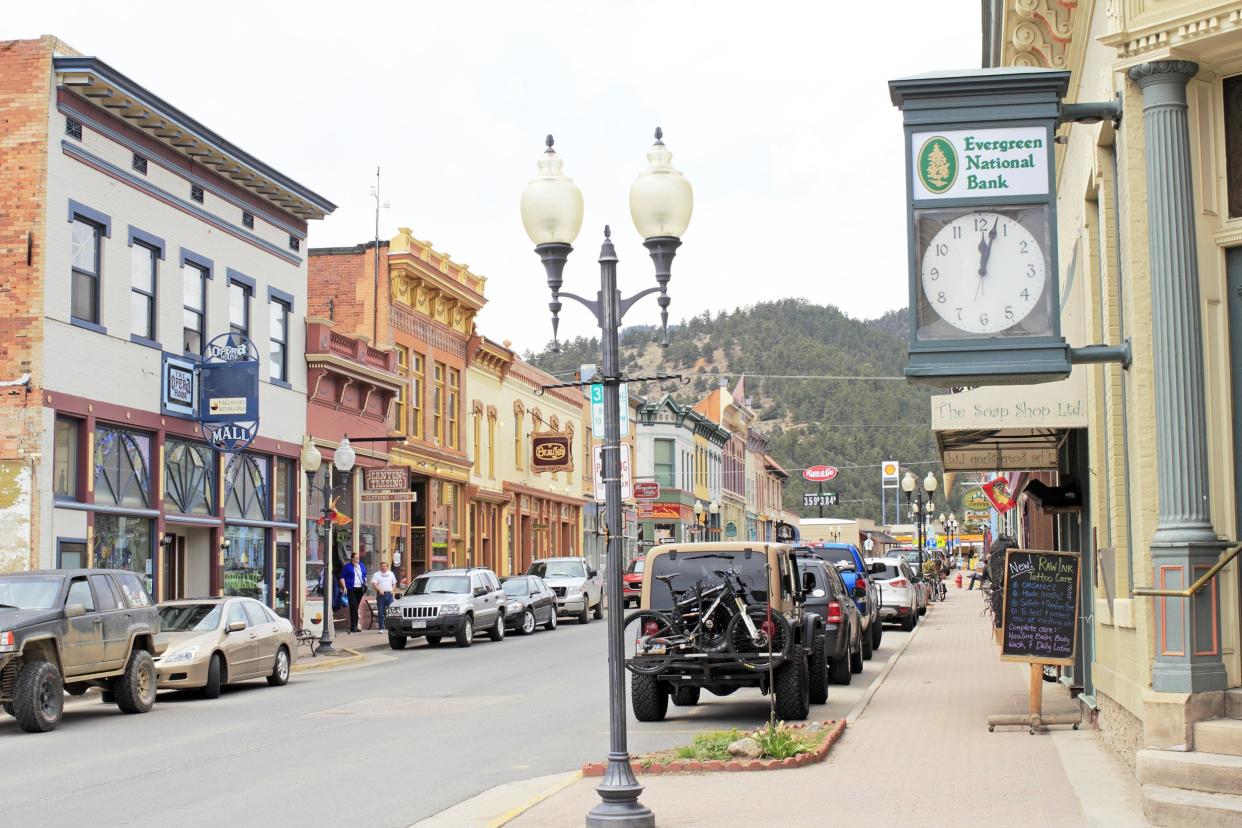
{"type": "Point", "coordinates": [440, 584]}
{"type": "Point", "coordinates": [691, 567]}
{"type": "Point", "coordinates": [517, 586]}
{"type": "Point", "coordinates": [28, 593]}
{"type": "Point", "coordinates": [557, 569]}
{"type": "Point", "coordinates": [635, 567]}
{"type": "Point", "coordinates": [190, 617]}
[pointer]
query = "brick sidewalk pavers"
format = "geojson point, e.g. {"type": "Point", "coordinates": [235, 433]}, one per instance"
{"type": "Point", "coordinates": [920, 751]}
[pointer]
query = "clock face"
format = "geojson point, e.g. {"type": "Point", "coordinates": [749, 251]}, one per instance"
{"type": "Point", "coordinates": [983, 272]}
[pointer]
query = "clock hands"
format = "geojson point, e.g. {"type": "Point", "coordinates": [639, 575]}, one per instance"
{"type": "Point", "coordinates": [985, 253]}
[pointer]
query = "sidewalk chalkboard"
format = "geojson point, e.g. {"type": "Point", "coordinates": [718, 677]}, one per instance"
{"type": "Point", "coordinates": [1040, 612]}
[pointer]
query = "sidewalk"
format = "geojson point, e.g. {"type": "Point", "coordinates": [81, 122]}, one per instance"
{"type": "Point", "coordinates": [920, 751]}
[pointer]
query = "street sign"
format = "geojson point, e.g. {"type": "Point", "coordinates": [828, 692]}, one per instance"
{"type": "Point", "coordinates": [627, 482]}
{"type": "Point", "coordinates": [820, 499]}
{"type": "Point", "coordinates": [819, 474]}
{"type": "Point", "coordinates": [647, 490]}
{"type": "Point", "coordinates": [625, 409]}
{"type": "Point", "coordinates": [889, 471]}
{"type": "Point", "coordinates": [597, 411]}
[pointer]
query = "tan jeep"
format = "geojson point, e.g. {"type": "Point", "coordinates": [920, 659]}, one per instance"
{"type": "Point", "coordinates": [722, 616]}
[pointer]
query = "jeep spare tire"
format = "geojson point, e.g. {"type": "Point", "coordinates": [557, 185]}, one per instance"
{"type": "Point", "coordinates": [135, 688]}
{"type": "Point", "coordinates": [38, 697]}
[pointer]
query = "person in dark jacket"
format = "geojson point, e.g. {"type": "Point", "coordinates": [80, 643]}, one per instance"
{"type": "Point", "coordinates": [354, 583]}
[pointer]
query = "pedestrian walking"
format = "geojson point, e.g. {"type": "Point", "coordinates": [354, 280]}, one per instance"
{"type": "Point", "coordinates": [384, 582]}
{"type": "Point", "coordinates": [354, 583]}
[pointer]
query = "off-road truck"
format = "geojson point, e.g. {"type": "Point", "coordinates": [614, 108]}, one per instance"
{"type": "Point", "coordinates": [65, 630]}
{"type": "Point", "coordinates": [691, 634]}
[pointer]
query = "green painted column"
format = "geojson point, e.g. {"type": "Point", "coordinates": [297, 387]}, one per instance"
{"type": "Point", "coordinates": [1187, 643]}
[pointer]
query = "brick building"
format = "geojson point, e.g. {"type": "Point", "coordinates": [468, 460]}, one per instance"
{"type": "Point", "coordinates": [133, 234]}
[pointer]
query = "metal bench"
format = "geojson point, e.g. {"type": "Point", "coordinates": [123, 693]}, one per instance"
{"type": "Point", "coordinates": [307, 637]}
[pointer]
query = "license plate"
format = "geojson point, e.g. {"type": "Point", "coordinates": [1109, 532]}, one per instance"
{"type": "Point", "coordinates": [419, 625]}
{"type": "Point", "coordinates": [654, 649]}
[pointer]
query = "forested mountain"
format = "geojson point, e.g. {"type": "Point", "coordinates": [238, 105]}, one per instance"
{"type": "Point", "coordinates": [851, 414]}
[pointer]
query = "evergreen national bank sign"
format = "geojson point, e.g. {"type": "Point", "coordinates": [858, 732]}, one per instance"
{"type": "Point", "coordinates": [968, 163]}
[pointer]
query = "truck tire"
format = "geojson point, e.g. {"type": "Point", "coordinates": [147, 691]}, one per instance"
{"type": "Point", "coordinates": [792, 689]}
{"type": "Point", "coordinates": [584, 617]}
{"type": "Point", "coordinates": [648, 698]}
{"type": "Point", "coordinates": [38, 697]}
{"type": "Point", "coordinates": [818, 680]}
{"type": "Point", "coordinates": [866, 640]}
{"type": "Point", "coordinates": [877, 632]}
{"type": "Point", "coordinates": [841, 673]}
{"type": "Point", "coordinates": [907, 623]}
{"type": "Point", "coordinates": [7, 707]}
{"type": "Point", "coordinates": [856, 661]}
{"type": "Point", "coordinates": [465, 636]}
{"type": "Point", "coordinates": [686, 696]}
{"type": "Point", "coordinates": [135, 688]}
{"type": "Point", "coordinates": [599, 608]}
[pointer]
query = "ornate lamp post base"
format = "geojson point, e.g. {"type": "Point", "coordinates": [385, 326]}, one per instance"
{"type": "Point", "coordinates": [619, 806]}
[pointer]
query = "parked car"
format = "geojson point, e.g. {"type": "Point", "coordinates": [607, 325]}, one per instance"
{"type": "Point", "coordinates": [530, 603]}
{"type": "Point", "coordinates": [922, 588]}
{"type": "Point", "coordinates": [211, 642]}
{"type": "Point", "coordinates": [827, 597]}
{"type": "Point", "coordinates": [632, 582]}
{"type": "Point", "coordinates": [579, 589]}
{"type": "Point", "coordinates": [900, 593]}
{"type": "Point", "coordinates": [665, 662]}
{"type": "Point", "coordinates": [64, 630]}
{"type": "Point", "coordinates": [448, 602]}
{"type": "Point", "coordinates": [849, 563]}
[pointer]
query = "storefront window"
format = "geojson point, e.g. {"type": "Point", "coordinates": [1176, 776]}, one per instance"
{"type": "Point", "coordinates": [189, 478]}
{"type": "Point", "coordinates": [370, 518]}
{"type": "Point", "coordinates": [246, 492]}
{"type": "Point", "coordinates": [245, 562]}
{"type": "Point", "coordinates": [122, 463]}
{"type": "Point", "coordinates": [284, 491]}
{"type": "Point", "coordinates": [65, 461]}
{"type": "Point", "coordinates": [282, 570]}
{"type": "Point", "coordinates": [122, 542]}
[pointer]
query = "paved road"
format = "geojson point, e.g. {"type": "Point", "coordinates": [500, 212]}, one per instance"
{"type": "Point", "coordinates": [384, 744]}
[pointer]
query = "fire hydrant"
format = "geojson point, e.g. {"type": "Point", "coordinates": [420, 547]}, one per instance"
{"type": "Point", "coordinates": [959, 580]}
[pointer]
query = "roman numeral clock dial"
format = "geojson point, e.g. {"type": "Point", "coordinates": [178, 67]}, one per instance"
{"type": "Point", "coordinates": [983, 272]}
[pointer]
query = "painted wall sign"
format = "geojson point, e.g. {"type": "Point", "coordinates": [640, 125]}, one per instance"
{"type": "Point", "coordinates": [819, 474]}
{"type": "Point", "coordinates": [968, 163]}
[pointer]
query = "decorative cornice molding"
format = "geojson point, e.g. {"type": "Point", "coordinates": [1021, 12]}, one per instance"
{"type": "Point", "coordinates": [1169, 34]}
{"type": "Point", "coordinates": [1038, 33]}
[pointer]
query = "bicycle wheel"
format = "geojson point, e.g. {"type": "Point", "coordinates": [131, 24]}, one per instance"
{"type": "Point", "coordinates": [648, 638]}
{"type": "Point", "coordinates": [771, 636]}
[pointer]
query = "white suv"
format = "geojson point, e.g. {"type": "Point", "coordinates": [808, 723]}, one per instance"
{"type": "Point", "coordinates": [899, 600]}
{"type": "Point", "coordinates": [448, 603]}
{"type": "Point", "coordinates": [579, 589]}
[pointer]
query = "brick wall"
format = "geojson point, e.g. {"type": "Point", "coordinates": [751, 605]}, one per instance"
{"type": "Point", "coordinates": [344, 277]}
{"type": "Point", "coordinates": [25, 95]}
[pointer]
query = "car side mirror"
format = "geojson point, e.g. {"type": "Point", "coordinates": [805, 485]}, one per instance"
{"type": "Point", "coordinates": [75, 610]}
{"type": "Point", "coordinates": [236, 626]}
{"type": "Point", "coordinates": [594, 573]}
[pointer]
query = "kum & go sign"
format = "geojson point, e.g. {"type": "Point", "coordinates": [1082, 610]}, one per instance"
{"type": "Point", "coordinates": [973, 163]}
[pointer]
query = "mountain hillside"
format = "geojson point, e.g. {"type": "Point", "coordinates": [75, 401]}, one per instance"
{"type": "Point", "coordinates": [850, 414]}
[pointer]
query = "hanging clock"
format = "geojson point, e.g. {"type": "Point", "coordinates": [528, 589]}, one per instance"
{"type": "Point", "coordinates": [980, 179]}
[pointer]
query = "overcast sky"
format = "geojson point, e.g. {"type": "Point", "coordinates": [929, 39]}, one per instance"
{"type": "Point", "coordinates": [777, 112]}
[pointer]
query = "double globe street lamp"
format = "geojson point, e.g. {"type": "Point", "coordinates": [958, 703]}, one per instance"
{"type": "Point", "coordinates": [343, 461]}
{"type": "Point", "coordinates": [661, 202]}
{"type": "Point", "coordinates": [701, 519]}
{"type": "Point", "coordinates": [921, 508]}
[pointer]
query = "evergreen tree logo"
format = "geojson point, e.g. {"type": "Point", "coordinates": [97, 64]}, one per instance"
{"type": "Point", "coordinates": [937, 164]}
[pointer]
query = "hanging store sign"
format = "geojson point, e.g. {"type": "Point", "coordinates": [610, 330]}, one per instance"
{"type": "Point", "coordinates": [976, 501]}
{"type": "Point", "coordinates": [551, 452]}
{"type": "Point", "coordinates": [389, 497]}
{"type": "Point", "coordinates": [647, 490]}
{"type": "Point", "coordinates": [178, 387]}
{"type": "Point", "coordinates": [387, 479]}
{"type": "Point", "coordinates": [961, 163]}
{"type": "Point", "coordinates": [228, 402]}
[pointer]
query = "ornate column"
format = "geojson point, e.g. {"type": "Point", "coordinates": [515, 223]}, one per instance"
{"type": "Point", "coordinates": [1187, 646]}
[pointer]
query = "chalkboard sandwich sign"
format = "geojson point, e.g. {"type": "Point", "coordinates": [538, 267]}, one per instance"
{"type": "Point", "coordinates": [1040, 612]}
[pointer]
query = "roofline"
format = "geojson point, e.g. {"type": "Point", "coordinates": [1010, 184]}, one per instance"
{"type": "Point", "coordinates": [344, 251]}
{"type": "Point", "coordinates": [94, 64]}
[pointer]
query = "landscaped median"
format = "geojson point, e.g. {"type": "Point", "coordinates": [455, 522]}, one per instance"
{"type": "Point", "coordinates": [769, 747]}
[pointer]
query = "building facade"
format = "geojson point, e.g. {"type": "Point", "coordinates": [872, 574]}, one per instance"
{"type": "Point", "coordinates": [133, 236]}
{"type": "Point", "coordinates": [683, 451]}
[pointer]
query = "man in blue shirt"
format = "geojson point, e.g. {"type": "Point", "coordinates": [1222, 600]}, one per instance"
{"type": "Point", "coordinates": [354, 583]}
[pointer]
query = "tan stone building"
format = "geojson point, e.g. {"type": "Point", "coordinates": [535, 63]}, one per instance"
{"type": "Point", "coordinates": [1150, 233]}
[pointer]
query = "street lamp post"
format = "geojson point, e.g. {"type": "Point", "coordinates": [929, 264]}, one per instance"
{"type": "Point", "coordinates": [661, 202]}
{"type": "Point", "coordinates": [343, 461]}
{"type": "Point", "coordinates": [921, 508]}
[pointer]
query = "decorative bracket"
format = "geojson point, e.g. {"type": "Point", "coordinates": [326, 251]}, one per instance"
{"type": "Point", "coordinates": [1090, 354]}
{"type": "Point", "coordinates": [1092, 113]}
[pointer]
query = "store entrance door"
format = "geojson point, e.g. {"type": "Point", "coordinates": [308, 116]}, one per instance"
{"type": "Point", "coordinates": [172, 582]}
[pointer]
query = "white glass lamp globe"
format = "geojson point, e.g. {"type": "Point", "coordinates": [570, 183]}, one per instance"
{"type": "Point", "coordinates": [343, 457]}
{"type": "Point", "coordinates": [551, 203]}
{"type": "Point", "coordinates": [311, 456]}
{"type": "Point", "coordinates": [908, 482]}
{"type": "Point", "coordinates": [930, 482]}
{"type": "Point", "coordinates": [661, 199]}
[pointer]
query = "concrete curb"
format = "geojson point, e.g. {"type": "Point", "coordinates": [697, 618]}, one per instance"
{"type": "Point", "coordinates": [320, 663]}
{"type": "Point", "coordinates": [496, 806]}
{"type": "Point", "coordinates": [517, 810]}
{"type": "Point", "coordinates": [858, 708]}
{"type": "Point", "coordinates": [835, 729]}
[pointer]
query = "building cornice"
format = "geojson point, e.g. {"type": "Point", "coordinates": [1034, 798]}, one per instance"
{"type": "Point", "coordinates": [1158, 38]}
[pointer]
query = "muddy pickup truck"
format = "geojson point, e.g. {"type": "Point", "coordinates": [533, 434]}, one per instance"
{"type": "Point", "coordinates": [65, 630]}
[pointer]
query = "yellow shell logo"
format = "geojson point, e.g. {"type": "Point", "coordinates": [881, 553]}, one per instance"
{"type": "Point", "coordinates": [551, 452]}
{"type": "Point", "coordinates": [890, 469]}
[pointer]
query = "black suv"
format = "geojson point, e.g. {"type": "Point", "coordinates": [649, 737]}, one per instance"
{"type": "Point", "coordinates": [64, 630]}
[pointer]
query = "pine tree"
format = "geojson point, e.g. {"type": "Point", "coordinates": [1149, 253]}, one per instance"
{"type": "Point", "coordinates": [937, 166]}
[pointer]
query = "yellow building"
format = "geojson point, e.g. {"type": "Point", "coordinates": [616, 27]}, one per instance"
{"type": "Point", "coordinates": [516, 515]}
{"type": "Point", "coordinates": [1150, 234]}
